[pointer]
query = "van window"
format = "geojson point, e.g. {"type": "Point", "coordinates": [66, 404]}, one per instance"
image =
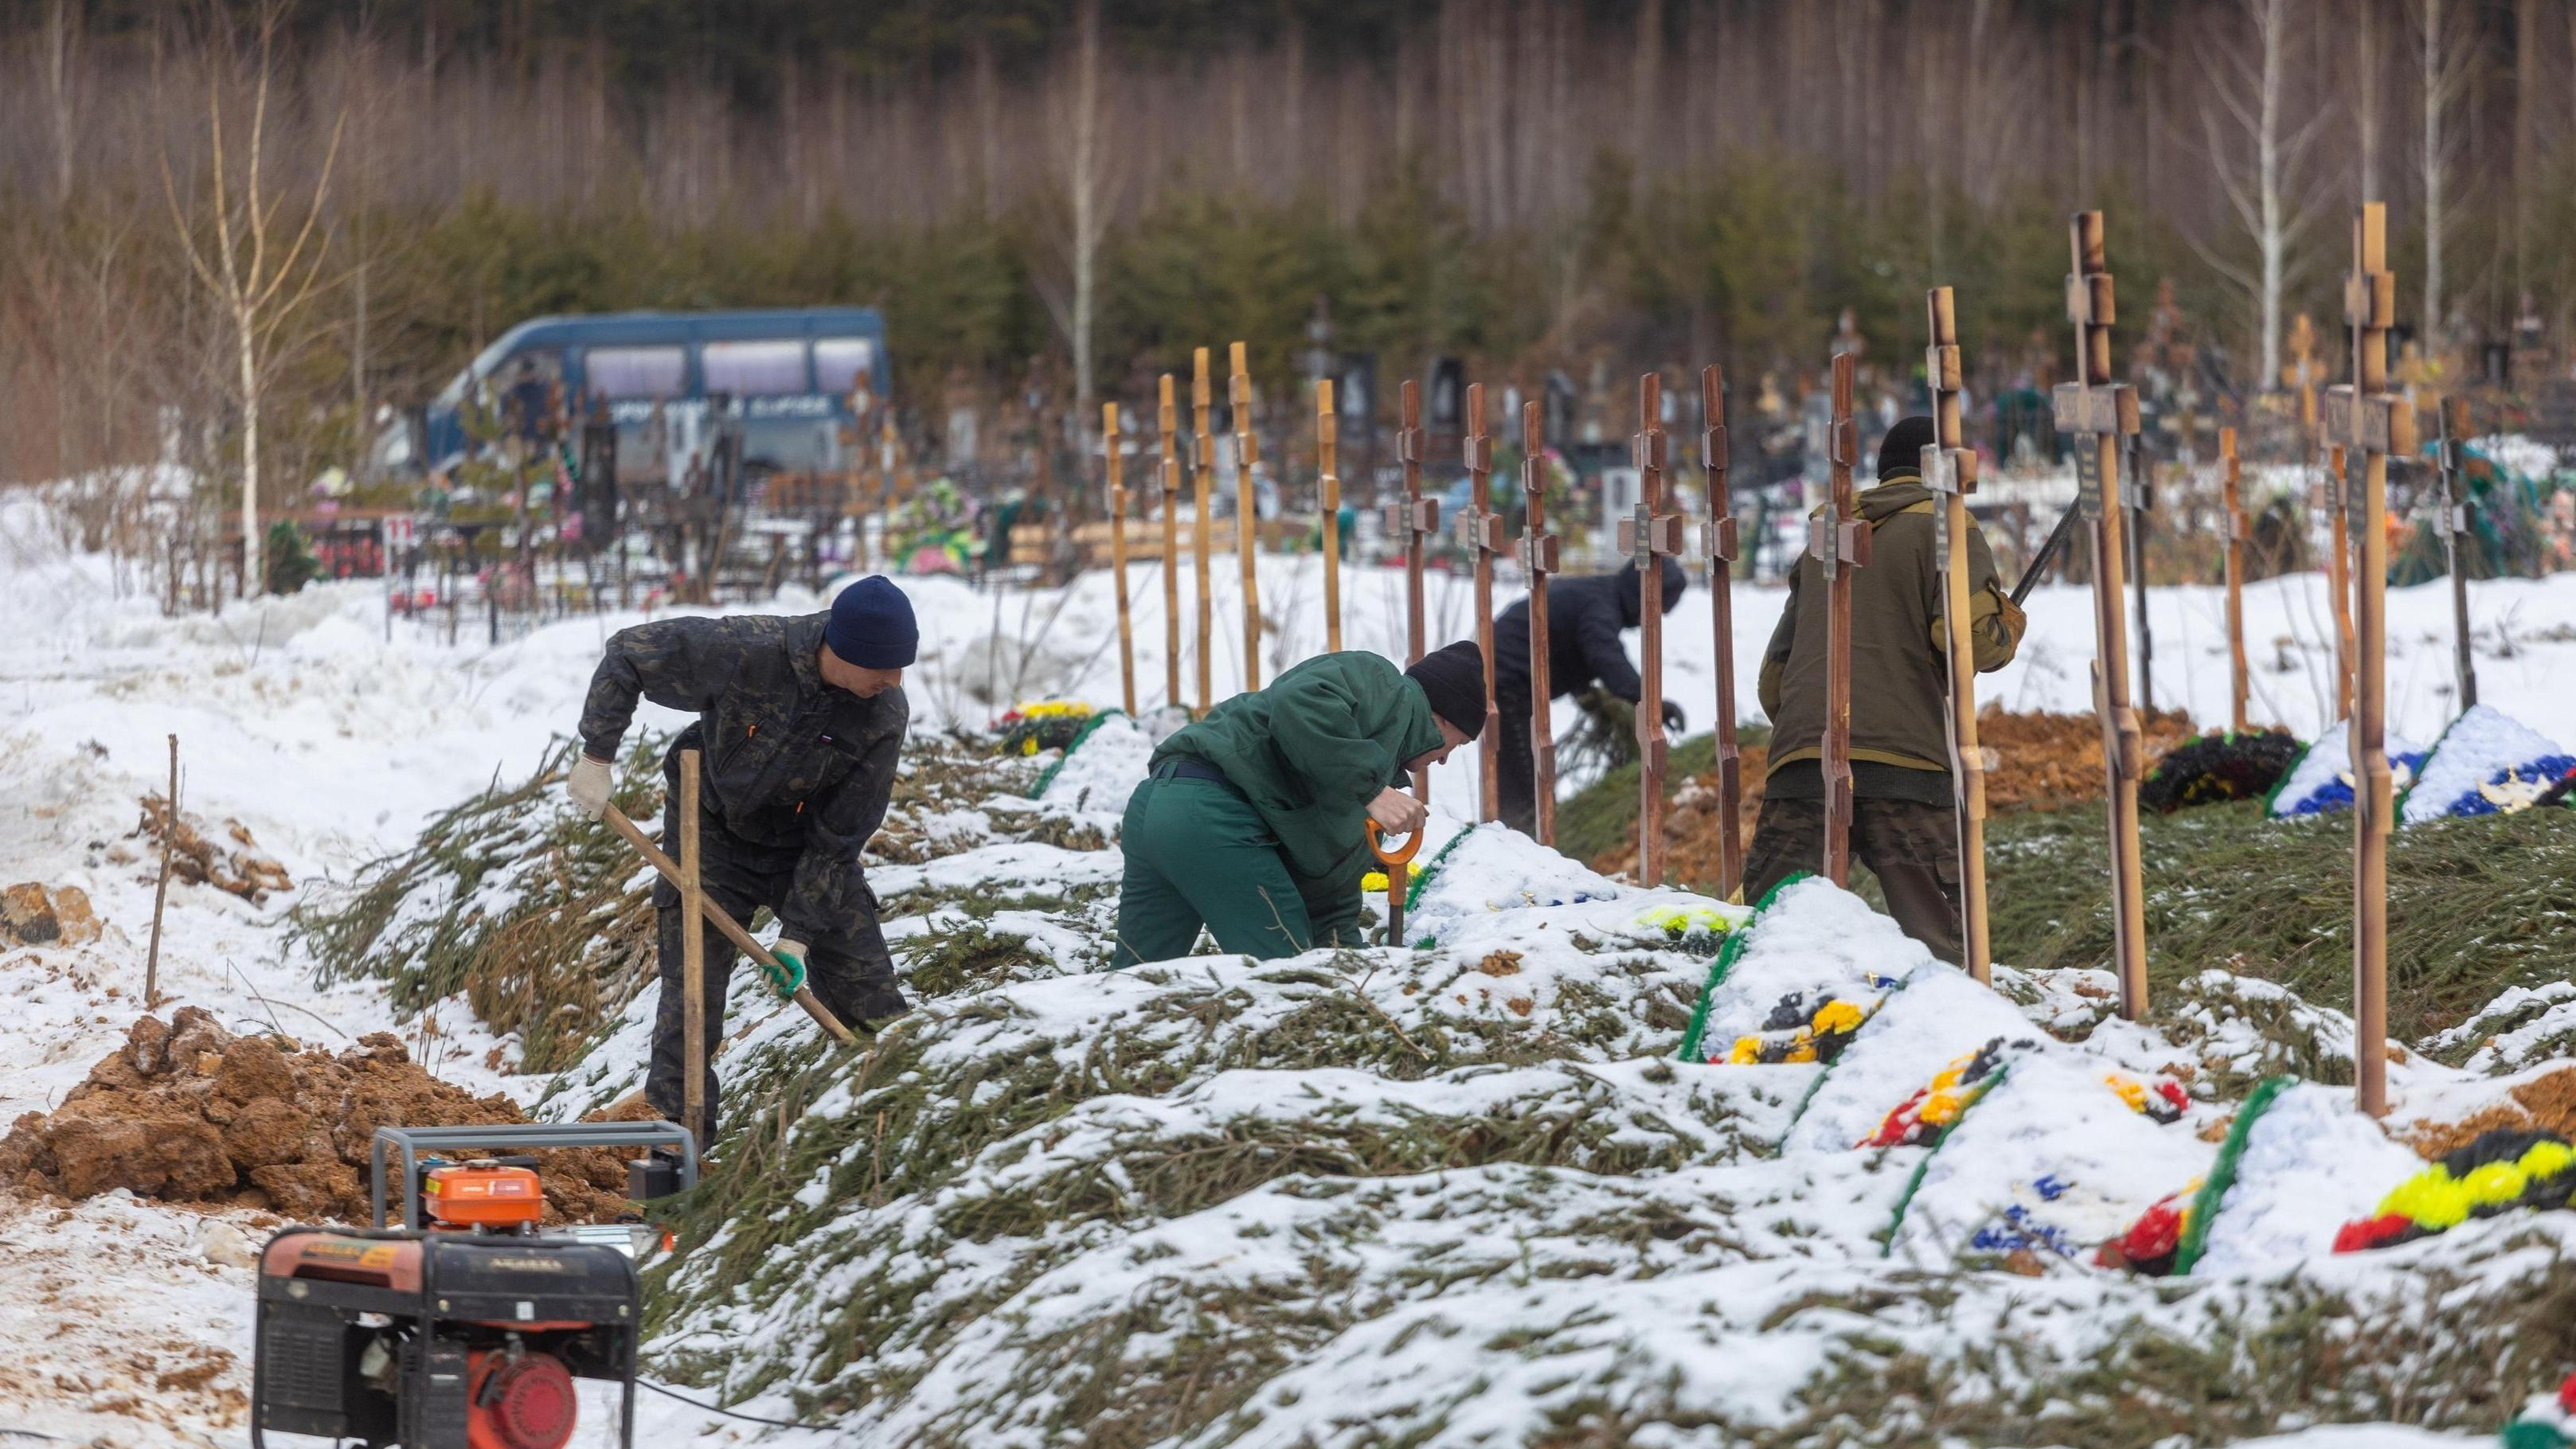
{"type": "Point", "coordinates": [638, 372]}
{"type": "Point", "coordinates": [839, 362]}
{"type": "Point", "coordinates": [753, 369]}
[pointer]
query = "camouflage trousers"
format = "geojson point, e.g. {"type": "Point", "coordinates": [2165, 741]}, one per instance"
{"type": "Point", "coordinates": [1912, 848]}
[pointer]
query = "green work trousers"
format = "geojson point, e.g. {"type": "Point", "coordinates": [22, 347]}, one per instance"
{"type": "Point", "coordinates": [1199, 854]}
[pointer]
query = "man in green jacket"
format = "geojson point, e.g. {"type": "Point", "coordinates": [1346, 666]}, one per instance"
{"type": "Point", "coordinates": [1904, 825]}
{"type": "Point", "coordinates": [1251, 821]}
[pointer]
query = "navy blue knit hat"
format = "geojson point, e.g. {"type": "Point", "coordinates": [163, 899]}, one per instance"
{"type": "Point", "coordinates": [872, 625]}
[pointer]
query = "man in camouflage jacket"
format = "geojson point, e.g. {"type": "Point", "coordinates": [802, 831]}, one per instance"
{"type": "Point", "coordinates": [800, 726]}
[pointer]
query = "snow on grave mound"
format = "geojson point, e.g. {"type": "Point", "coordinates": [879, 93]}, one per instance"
{"type": "Point", "coordinates": [2321, 782]}
{"type": "Point", "coordinates": [1812, 944]}
{"type": "Point", "coordinates": [2309, 1163]}
{"type": "Point", "coordinates": [2054, 1159]}
{"type": "Point", "coordinates": [1934, 1016]}
{"type": "Point", "coordinates": [1104, 762]}
{"type": "Point", "coordinates": [1492, 867]}
{"type": "Point", "coordinates": [2485, 762]}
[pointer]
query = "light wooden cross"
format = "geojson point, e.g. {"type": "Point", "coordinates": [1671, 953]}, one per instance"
{"type": "Point", "coordinates": [1839, 541]}
{"type": "Point", "coordinates": [1247, 512]}
{"type": "Point", "coordinates": [1538, 555]}
{"type": "Point", "coordinates": [2450, 435]}
{"type": "Point", "coordinates": [1414, 519]}
{"type": "Point", "coordinates": [1168, 426]}
{"type": "Point", "coordinates": [2101, 412]}
{"type": "Point", "coordinates": [2369, 421]}
{"type": "Point", "coordinates": [1329, 484]}
{"type": "Point", "coordinates": [1950, 471]}
{"type": "Point", "coordinates": [1113, 459]}
{"type": "Point", "coordinates": [1203, 429]}
{"type": "Point", "coordinates": [2231, 481]}
{"type": "Point", "coordinates": [1481, 530]}
{"type": "Point", "coordinates": [1718, 543]}
{"type": "Point", "coordinates": [1649, 536]}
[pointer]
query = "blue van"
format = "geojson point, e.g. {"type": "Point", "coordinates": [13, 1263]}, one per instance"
{"type": "Point", "coordinates": [784, 375]}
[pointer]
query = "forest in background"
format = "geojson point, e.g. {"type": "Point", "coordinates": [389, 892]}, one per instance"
{"type": "Point", "coordinates": [1063, 199]}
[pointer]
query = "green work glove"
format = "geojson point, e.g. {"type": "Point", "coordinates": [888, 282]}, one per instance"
{"type": "Point", "coordinates": [788, 976]}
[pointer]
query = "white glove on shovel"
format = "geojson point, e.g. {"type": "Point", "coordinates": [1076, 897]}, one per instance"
{"type": "Point", "coordinates": [588, 787]}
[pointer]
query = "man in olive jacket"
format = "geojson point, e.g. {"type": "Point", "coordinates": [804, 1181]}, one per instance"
{"type": "Point", "coordinates": [800, 727]}
{"type": "Point", "coordinates": [1251, 821]}
{"type": "Point", "coordinates": [1904, 825]}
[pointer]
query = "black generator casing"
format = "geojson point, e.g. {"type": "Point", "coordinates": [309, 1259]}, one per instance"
{"type": "Point", "coordinates": [428, 1300]}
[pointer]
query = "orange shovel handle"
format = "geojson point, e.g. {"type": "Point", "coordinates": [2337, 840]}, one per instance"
{"type": "Point", "coordinates": [1377, 846]}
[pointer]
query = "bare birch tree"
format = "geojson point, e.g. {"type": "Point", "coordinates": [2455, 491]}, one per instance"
{"type": "Point", "coordinates": [1088, 187]}
{"type": "Point", "coordinates": [2443, 54]}
{"type": "Point", "coordinates": [258, 276]}
{"type": "Point", "coordinates": [2258, 155]}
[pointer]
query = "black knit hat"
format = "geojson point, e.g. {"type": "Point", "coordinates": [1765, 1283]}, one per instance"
{"type": "Point", "coordinates": [1454, 678]}
{"type": "Point", "coordinates": [1902, 451]}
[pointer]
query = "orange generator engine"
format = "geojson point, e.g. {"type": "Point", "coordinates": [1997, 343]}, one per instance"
{"type": "Point", "coordinates": [465, 1330]}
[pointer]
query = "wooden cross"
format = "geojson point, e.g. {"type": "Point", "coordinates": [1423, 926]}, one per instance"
{"type": "Point", "coordinates": [1539, 559]}
{"type": "Point", "coordinates": [1114, 460]}
{"type": "Point", "coordinates": [2450, 434]}
{"type": "Point", "coordinates": [1718, 543]}
{"type": "Point", "coordinates": [1203, 430]}
{"type": "Point", "coordinates": [2105, 411]}
{"type": "Point", "coordinates": [1950, 471]}
{"type": "Point", "coordinates": [1649, 536]}
{"type": "Point", "coordinates": [1247, 512]}
{"type": "Point", "coordinates": [1481, 529]}
{"type": "Point", "coordinates": [1414, 519]}
{"type": "Point", "coordinates": [1329, 483]}
{"type": "Point", "coordinates": [2231, 484]}
{"type": "Point", "coordinates": [2366, 418]}
{"type": "Point", "coordinates": [1838, 540]}
{"type": "Point", "coordinates": [1168, 425]}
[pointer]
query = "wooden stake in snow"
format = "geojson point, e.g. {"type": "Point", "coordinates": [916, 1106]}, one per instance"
{"type": "Point", "coordinates": [1838, 539]}
{"type": "Point", "coordinates": [1414, 519]}
{"type": "Point", "coordinates": [693, 964]}
{"type": "Point", "coordinates": [1481, 529]}
{"type": "Point", "coordinates": [161, 889]}
{"type": "Point", "coordinates": [1718, 542]}
{"type": "Point", "coordinates": [2371, 422]}
{"type": "Point", "coordinates": [2231, 480]}
{"type": "Point", "coordinates": [1113, 458]}
{"type": "Point", "coordinates": [2450, 434]}
{"type": "Point", "coordinates": [1538, 559]}
{"type": "Point", "coordinates": [1328, 483]}
{"type": "Point", "coordinates": [1247, 513]}
{"type": "Point", "coordinates": [1168, 422]}
{"type": "Point", "coordinates": [1649, 537]}
{"type": "Point", "coordinates": [2104, 411]}
{"type": "Point", "coordinates": [1950, 471]}
{"type": "Point", "coordinates": [1203, 426]}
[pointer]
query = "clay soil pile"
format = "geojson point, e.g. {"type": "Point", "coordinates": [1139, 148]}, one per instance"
{"type": "Point", "coordinates": [186, 1110]}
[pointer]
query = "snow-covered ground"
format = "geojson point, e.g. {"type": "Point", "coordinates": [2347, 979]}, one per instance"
{"type": "Point", "coordinates": [331, 745]}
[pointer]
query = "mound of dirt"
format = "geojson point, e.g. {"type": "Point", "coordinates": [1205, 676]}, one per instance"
{"type": "Point", "coordinates": [197, 860]}
{"type": "Point", "coordinates": [186, 1110]}
{"type": "Point", "coordinates": [31, 915]}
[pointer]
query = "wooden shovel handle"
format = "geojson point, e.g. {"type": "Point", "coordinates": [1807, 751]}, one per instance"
{"type": "Point", "coordinates": [733, 931]}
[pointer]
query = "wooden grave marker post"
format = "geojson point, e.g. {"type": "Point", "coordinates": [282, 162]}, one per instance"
{"type": "Point", "coordinates": [1168, 425]}
{"type": "Point", "coordinates": [1113, 458]}
{"type": "Point", "coordinates": [1203, 439]}
{"type": "Point", "coordinates": [1838, 540]}
{"type": "Point", "coordinates": [2231, 481]}
{"type": "Point", "coordinates": [1650, 536]}
{"type": "Point", "coordinates": [2451, 434]}
{"type": "Point", "coordinates": [1414, 519]}
{"type": "Point", "coordinates": [1328, 484]}
{"type": "Point", "coordinates": [2334, 495]}
{"type": "Point", "coordinates": [2137, 497]}
{"type": "Point", "coordinates": [1950, 471]}
{"type": "Point", "coordinates": [693, 963]}
{"type": "Point", "coordinates": [2371, 422]}
{"type": "Point", "coordinates": [1481, 529]}
{"type": "Point", "coordinates": [1718, 542]}
{"type": "Point", "coordinates": [2095, 406]}
{"type": "Point", "coordinates": [1247, 512]}
{"type": "Point", "coordinates": [1539, 559]}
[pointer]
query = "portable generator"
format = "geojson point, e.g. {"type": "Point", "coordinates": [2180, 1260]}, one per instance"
{"type": "Point", "coordinates": [466, 1327]}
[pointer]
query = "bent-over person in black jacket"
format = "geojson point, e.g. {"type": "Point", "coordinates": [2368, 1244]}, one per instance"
{"type": "Point", "coordinates": [1585, 615]}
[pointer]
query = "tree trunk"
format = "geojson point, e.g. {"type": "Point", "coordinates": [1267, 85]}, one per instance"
{"type": "Point", "coordinates": [1086, 193]}
{"type": "Point", "coordinates": [2435, 85]}
{"type": "Point", "coordinates": [245, 337]}
{"type": "Point", "coordinates": [2272, 240]}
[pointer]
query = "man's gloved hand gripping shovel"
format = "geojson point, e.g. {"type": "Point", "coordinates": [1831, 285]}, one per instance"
{"type": "Point", "coordinates": [779, 972]}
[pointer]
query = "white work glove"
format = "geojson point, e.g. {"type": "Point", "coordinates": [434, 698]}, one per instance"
{"type": "Point", "coordinates": [1396, 812]}
{"type": "Point", "coordinates": [788, 977]}
{"type": "Point", "coordinates": [588, 787]}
